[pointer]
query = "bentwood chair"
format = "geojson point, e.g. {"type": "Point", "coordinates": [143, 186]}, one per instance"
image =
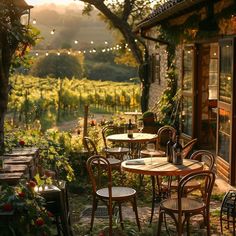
{"type": "Point", "coordinates": [117, 151]}
{"type": "Point", "coordinates": [92, 150]}
{"type": "Point", "coordinates": [182, 208]}
{"type": "Point", "coordinates": [187, 148]}
{"type": "Point", "coordinates": [108, 194]}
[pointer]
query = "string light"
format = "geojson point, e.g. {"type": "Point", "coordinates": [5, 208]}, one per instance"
{"type": "Point", "coordinates": [106, 42]}
{"type": "Point", "coordinates": [52, 31]}
{"type": "Point", "coordinates": [92, 42]}
{"type": "Point", "coordinates": [84, 51]}
{"type": "Point", "coordinates": [34, 22]}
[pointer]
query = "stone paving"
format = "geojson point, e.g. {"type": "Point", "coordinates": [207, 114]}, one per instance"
{"type": "Point", "coordinates": [144, 215]}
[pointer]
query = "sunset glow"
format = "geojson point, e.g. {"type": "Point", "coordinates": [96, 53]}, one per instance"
{"type": "Point", "coordinates": [58, 2]}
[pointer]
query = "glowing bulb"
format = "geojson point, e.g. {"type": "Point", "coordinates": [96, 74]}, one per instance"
{"type": "Point", "coordinates": [34, 22]}
{"type": "Point", "coordinates": [106, 42]}
{"type": "Point", "coordinates": [76, 41]}
{"type": "Point", "coordinates": [53, 31]}
{"type": "Point", "coordinates": [91, 42]}
{"type": "Point", "coordinates": [36, 54]}
{"type": "Point", "coordinates": [68, 52]}
{"type": "Point", "coordinates": [58, 53]}
{"type": "Point", "coordinates": [46, 54]}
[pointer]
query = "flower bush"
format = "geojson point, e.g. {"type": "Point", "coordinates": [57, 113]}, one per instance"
{"type": "Point", "coordinates": [26, 210]}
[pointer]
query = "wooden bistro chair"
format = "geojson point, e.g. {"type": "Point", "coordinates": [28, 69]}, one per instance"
{"type": "Point", "coordinates": [108, 194]}
{"type": "Point", "coordinates": [117, 151]}
{"type": "Point", "coordinates": [182, 208]}
{"type": "Point", "coordinates": [92, 150]}
{"type": "Point", "coordinates": [159, 191]}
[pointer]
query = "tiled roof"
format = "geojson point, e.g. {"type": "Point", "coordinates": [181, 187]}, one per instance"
{"type": "Point", "coordinates": [162, 8]}
{"type": "Point", "coordinates": [168, 9]}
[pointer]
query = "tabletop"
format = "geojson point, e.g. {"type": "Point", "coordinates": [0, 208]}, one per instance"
{"type": "Point", "coordinates": [137, 137]}
{"type": "Point", "coordinates": [160, 166]}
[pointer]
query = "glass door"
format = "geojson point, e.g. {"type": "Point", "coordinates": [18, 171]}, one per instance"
{"type": "Point", "coordinates": [207, 96]}
{"type": "Point", "coordinates": [188, 94]}
{"type": "Point", "coordinates": [225, 99]}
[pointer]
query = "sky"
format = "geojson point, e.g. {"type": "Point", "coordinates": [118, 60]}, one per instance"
{"type": "Point", "coordinates": [58, 2]}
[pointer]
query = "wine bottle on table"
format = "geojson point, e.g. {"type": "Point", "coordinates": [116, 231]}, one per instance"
{"type": "Point", "coordinates": [177, 152]}
{"type": "Point", "coordinates": [130, 129]}
{"type": "Point", "coordinates": [169, 148]}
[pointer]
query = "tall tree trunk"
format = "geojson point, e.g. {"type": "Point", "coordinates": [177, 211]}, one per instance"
{"type": "Point", "coordinates": [6, 52]}
{"type": "Point", "coordinates": [4, 80]}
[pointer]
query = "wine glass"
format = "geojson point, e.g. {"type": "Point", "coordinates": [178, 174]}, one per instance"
{"type": "Point", "coordinates": [151, 149]}
{"type": "Point", "coordinates": [140, 125]}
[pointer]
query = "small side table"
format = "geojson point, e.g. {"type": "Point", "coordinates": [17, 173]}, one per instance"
{"type": "Point", "coordinates": [57, 203]}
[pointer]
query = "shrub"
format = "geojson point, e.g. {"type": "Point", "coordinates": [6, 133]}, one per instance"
{"type": "Point", "coordinates": [57, 66]}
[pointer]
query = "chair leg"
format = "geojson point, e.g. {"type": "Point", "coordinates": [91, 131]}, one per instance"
{"type": "Point", "coordinates": [207, 217]}
{"type": "Point", "coordinates": [153, 197]}
{"type": "Point", "coordinates": [136, 213]}
{"type": "Point", "coordinates": [110, 212]}
{"type": "Point", "coordinates": [121, 218]}
{"type": "Point", "coordinates": [94, 207]}
{"type": "Point", "coordinates": [159, 223]}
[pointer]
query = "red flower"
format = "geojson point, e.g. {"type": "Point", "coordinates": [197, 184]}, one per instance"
{"type": "Point", "coordinates": [50, 214]}
{"type": "Point", "coordinates": [7, 207]}
{"type": "Point", "coordinates": [22, 143]}
{"type": "Point", "coordinates": [39, 222]}
{"type": "Point", "coordinates": [32, 184]}
{"type": "Point", "coordinates": [21, 194]}
{"type": "Point", "coordinates": [101, 234]}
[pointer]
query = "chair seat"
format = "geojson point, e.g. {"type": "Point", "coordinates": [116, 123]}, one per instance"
{"type": "Point", "coordinates": [114, 161]}
{"type": "Point", "coordinates": [157, 153]}
{"type": "Point", "coordinates": [116, 150]}
{"type": "Point", "coordinates": [117, 192]}
{"type": "Point", "coordinates": [188, 204]}
{"type": "Point", "coordinates": [191, 184]}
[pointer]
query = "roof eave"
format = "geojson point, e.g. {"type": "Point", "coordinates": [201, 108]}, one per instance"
{"type": "Point", "coordinates": [171, 12]}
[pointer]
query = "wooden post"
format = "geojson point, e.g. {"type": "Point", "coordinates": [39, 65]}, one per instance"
{"type": "Point", "coordinates": [85, 132]}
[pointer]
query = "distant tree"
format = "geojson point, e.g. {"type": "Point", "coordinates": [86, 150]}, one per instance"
{"type": "Point", "coordinates": [15, 38]}
{"type": "Point", "coordinates": [123, 15]}
{"type": "Point", "coordinates": [56, 66]}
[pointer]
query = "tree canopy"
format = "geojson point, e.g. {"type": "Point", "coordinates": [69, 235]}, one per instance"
{"type": "Point", "coordinates": [123, 15]}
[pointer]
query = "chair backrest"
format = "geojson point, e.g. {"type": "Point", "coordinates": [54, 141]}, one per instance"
{"type": "Point", "coordinates": [205, 156]}
{"type": "Point", "coordinates": [109, 130]}
{"type": "Point", "coordinates": [97, 165]}
{"type": "Point", "coordinates": [188, 148]}
{"type": "Point", "coordinates": [163, 136]}
{"type": "Point", "coordinates": [207, 179]}
{"type": "Point", "coordinates": [90, 146]}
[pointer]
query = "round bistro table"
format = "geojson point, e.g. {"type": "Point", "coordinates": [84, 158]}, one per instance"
{"type": "Point", "coordinates": [138, 138]}
{"type": "Point", "coordinates": [158, 166]}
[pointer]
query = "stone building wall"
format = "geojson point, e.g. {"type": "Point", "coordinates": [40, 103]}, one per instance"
{"type": "Point", "coordinates": [159, 85]}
